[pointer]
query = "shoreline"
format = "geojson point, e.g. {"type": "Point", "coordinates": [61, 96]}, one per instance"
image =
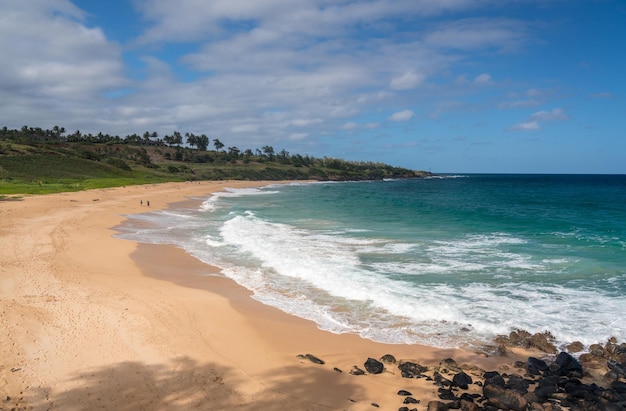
{"type": "Point", "coordinates": [94, 321]}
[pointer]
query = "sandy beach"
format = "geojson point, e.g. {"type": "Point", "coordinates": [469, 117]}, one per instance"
{"type": "Point", "coordinates": [91, 321]}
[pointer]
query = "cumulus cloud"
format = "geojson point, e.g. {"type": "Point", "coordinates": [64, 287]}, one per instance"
{"type": "Point", "coordinates": [408, 80]}
{"type": "Point", "coordinates": [555, 114]}
{"type": "Point", "coordinates": [400, 116]}
{"type": "Point", "coordinates": [483, 79]}
{"type": "Point", "coordinates": [251, 72]}
{"type": "Point", "coordinates": [533, 122]}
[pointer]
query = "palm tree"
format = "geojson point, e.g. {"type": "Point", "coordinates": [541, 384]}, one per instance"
{"type": "Point", "coordinates": [217, 144]}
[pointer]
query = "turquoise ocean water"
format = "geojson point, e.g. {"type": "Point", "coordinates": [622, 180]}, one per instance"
{"type": "Point", "coordinates": [448, 262]}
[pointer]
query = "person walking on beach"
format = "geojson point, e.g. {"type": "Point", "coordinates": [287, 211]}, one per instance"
{"type": "Point", "coordinates": [140, 202]}
{"type": "Point", "coordinates": [148, 203]}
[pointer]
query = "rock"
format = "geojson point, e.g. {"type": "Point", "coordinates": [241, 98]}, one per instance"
{"type": "Point", "coordinates": [448, 366]}
{"type": "Point", "coordinates": [412, 370]}
{"type": "Point", "coordinates": [618, 368]}
{"type": "Point", "coordinates": [575, 347]}
{"type": "Point", "coordinates": [504, 398]}
{"type": "Point", "coordinates": [469, 406]}
{"type": "Point", "coordinates": [404, 392]}
{"type": "Point", "coordinates": [356, 371]}
{"type": "Point", "coordinates": [410, 400]}
{"type": "Point", "coordinates": [568, 366]}
{"type": "Point", "coordinates": [619, 386]}
{"type": "Point", "coordinates": [375, 405]}
{"type": "Point", "coordinates": [493, 378]}
{"type": "Point", "coordinates": [535, 366]}
{"type": "Point", "coordinates": [441, 381]}
{"type": "Point", "coordinates": [314, 359]}
{"type": "Point", "coordinates": [446, 394]}
{"type": "Point", "coordinates": [337, 369]}
{"type": "Point", "coordinates": [388, 358]}
{"type": "Point", "coordinates": [541, 341]}
{"type": "Point", "coordinates": [517, 383]}
{"type": "Point", "coordinates": [462, 380]}
{"type": "Point", "coordinates": [436, 406]}
{"type": "Point", "coordinates": [374, 366]}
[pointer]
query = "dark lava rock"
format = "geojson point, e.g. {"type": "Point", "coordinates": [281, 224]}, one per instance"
{"type": "Point", "coordinates": [441, 381]}
{"type": "Point", "coordinates": [446, 394]}
{"type": "Point", "coordinates": [568, 365]}
{"type": "Point", "coordinates": [404, 392]}
{"type": "Point", "coordinates": [493, 378]}
{"type": "Point", "coordinates": [535, 366]}
{"type": "Point", "coordinates": [518, 384]}
{"type": "Point", "coordinates": [374, 366]}
{"type": "Point", "coordinates": [314, 359]}
{"type": "Point", "coordinates": [619, 386]}
{"type": "Point", "coordinates": [410, 400]}
{"type": "Point", "coordinates": [504, 398]}
{"type": "Point", "coordinates": [337, 369]}
{"type": "Point", "coordinates": [618, 368]}
{"type": "Point", "coordinates": [436, 406]}
{"type": "Point", "coordinates": [412, 370]}
{"type": "Point", "coordinates": [462, 380]}
{"type": "Point", "coordinates": [468, 406]}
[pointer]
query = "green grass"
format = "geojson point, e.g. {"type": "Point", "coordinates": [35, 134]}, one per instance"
{"type": "Point", "coordinates": [62, 167]}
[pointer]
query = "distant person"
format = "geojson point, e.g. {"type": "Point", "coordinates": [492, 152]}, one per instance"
{"type": "Point", "coordinates": [140, 202]}
{"type": "Point", "coordinates": [148, 203]}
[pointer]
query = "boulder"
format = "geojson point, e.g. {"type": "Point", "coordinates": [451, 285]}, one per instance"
{"type": "Point", "coordinates": [436, 406]}
{"type": "Point", "coordinates": [374, 366]}
{"type": "Point", "coordinates": [504, 398]}
{"type": "Point", "coordinates": [462, 380]}
{"type": "Point", "coordinates": [535, 366]}
{"type": "Point", "coordinates": [518, 384]}
{"type": "Point", "coordinates": [388, 358]}
{"type": "Point", "coordinates": [412, 370]}
{"type": "Point", "coordinates": [448, 366]}
{"type": "Point", "coordinates": [568, 366]}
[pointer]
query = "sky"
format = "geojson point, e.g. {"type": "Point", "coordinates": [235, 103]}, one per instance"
{"type": "Point", "coordinates": [450, 86]}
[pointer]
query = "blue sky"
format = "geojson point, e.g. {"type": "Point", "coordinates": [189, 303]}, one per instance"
{"type": "Point", "coordinates": [468, 86]}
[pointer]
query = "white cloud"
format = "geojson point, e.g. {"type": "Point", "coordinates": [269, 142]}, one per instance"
{"type": "Point", "coordinates": [518, 104]}
{"type": "Point", "coordinates": [478, 33]}
{"type": "Point", "coordinates": [399, 116]}
{"type": "Point", "coordinates": [533, 122]}
{"type": "Point", "coordinates": [408, 80]}
{"type": "Point", "coordinates": [483, 79]}
{"type": "Point", "coordinates": [529, 125]}
{"type": "Point", "coordinates": [555, 114]}
{"type": "Point", "coordinates": [249, 72]}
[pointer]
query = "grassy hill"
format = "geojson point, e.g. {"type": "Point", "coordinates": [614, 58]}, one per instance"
{"type": "Point", "coordinates": [35, 167]}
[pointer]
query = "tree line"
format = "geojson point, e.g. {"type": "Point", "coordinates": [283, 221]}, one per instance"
{"type": "Point", "coordinates": [191, 148]}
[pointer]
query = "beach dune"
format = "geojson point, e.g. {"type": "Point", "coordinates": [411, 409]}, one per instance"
{"type": "Point", "coordinates": [91, 321]}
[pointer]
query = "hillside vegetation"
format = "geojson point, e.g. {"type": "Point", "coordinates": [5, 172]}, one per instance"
{"type": "Point", "coordinates": [34, 161]}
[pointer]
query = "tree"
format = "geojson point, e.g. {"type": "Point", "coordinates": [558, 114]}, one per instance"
{"type": "Point", "coordinates": [269, 152]}
{"type": "Point", "coordinates": [192, 139]}
{"type": "Point", "coordinates": [177, 138]}
{"type": "Point", "coordinates": [217, 144]}
{"type": "Point", "coordinates": [202, 142]}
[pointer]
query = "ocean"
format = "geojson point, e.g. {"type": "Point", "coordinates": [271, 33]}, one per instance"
{"type": "Point", "coordinates": [451, 261]}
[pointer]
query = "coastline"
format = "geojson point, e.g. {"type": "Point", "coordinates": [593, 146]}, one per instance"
{"type": "Point", "coordinates": [93, 321]}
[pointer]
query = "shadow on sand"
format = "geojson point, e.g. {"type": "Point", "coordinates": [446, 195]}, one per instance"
{"type": "Point", "coordinates": [186, 384]}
